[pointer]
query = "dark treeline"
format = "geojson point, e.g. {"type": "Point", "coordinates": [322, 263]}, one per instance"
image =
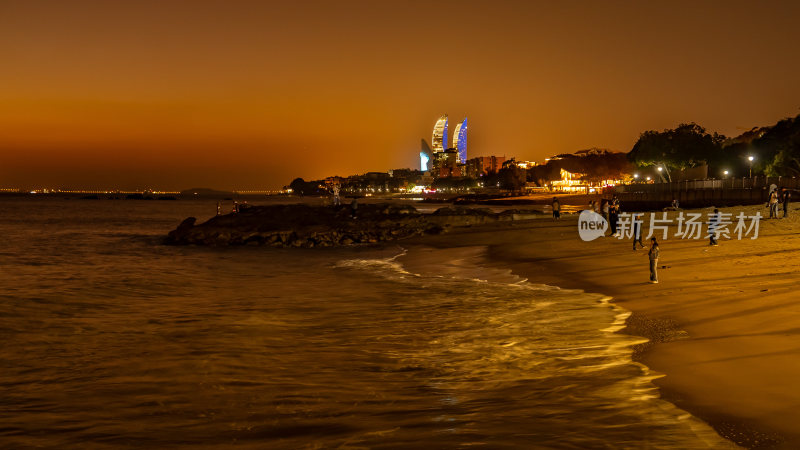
{"type": "Point", "coordinates": [775, 149]}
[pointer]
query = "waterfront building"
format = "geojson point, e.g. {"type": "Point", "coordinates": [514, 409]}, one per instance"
{"type": "Point", "coordinates": [571, 182]}
{"type": "Point", "coordinates": [460, 140]}
{"type": "Point", "coordinates": [439, 140]}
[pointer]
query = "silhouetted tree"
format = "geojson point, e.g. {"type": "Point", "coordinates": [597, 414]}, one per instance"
{"type": "Point", "coordinates": [512, 177]}
{"type": "Point", "coordinates": [302, 187]}
{"type": "Point", "coordinates": [298, 185]}
{"type": "Point", "coordinates": [688, 145]}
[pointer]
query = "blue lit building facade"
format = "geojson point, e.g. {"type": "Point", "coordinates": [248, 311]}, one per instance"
{"type": "Point", "coordinates": [460, 141]}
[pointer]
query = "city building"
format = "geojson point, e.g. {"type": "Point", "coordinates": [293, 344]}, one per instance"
{"type": "Point", "coordinates": [425, 156]}
{"type": "Point", "coordinates": [460, 141]}
{"type": "Point", "coordinates": [439, 139]}
{"type": "Point", "coordinates": [445, 164]}
{"type": "Point", "coordinates": [527, 164]}
{"type": "Point", "coordinates": [483, 165]}
{"type": "Point", "coordinates": [570, 182]}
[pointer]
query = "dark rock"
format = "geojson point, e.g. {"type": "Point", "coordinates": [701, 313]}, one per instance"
{"type": "Point", "coordinates": [178, 235]}
{"type": "Point", "coordinates": [298, 225]}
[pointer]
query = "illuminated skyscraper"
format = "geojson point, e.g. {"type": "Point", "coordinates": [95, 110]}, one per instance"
{"type": "Point", "coordinates": [460, 141]}
{"type": "Point", "coordinates": [440, 134]}
{"type": "Point", "coordinates": [425, 155]}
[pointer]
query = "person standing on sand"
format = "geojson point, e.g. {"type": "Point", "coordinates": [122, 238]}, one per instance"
{"type": "Point", "coordinates": [637, 231]}
{"type": "Point", "coordinates": [713, 222]}
{"type": "Point", "coordinates": [785, 197]}
{"type": "Point", "coordinates": [336, 189]}
{"type": "Point", "coordinates": [653, 254]}
{"type": "Point", "coordinates": [556, 209]}
{"type": "Point", "coordinates": [354, 207]}
{"type": "Point", "coordinates": [773, 204]}
{"type": "Point", "coordinates": [613, 215]}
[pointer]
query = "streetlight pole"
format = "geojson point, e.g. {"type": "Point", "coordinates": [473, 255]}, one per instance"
{"type": "Point", "coordinates": [750, 159]}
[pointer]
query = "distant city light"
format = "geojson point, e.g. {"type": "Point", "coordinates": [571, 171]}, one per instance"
{"type": "Point", "coordinates": [750, 158]}
{"type": "Point", "coordinates": [659, 168]}
{"type": "Point", "coordinates": [636, 175]}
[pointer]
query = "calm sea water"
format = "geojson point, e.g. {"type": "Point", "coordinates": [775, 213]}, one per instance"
{"type": "Point", "coordinates": [110, 339]}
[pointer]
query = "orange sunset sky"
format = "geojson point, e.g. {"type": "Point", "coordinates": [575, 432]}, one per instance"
{"type": "Point", "coordinates": [250, 94]}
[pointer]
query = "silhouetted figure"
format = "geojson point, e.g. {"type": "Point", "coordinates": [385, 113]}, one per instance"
{"type": "Point", "coordinates": [786, 196]}
{"type": "Point", "coordinates": [637, 231]}
{"type": "Point", "coordinates": [336, 200]}
{"type": "Point", "coordinates": [353, 207]}
{"type": "Point", "coordinates": [773, 204]}
{"type": "Point", "coordinates": [713, 223]}
{"type": "Point", "coordinates": [653, 255]}
{"type": "Point", "coordinates": [613, 215]}
{"type": "Point", "coordinates": [556, 209]}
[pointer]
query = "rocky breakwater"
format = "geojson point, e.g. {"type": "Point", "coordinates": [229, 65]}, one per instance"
{"type": "Point", "coordinates": [320, 226]}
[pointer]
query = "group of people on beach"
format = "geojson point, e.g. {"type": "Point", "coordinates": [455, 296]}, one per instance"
{"type": "Point", "coordinates": [610, 209]}
{"type": "Point", "coordinates": [778, 196]}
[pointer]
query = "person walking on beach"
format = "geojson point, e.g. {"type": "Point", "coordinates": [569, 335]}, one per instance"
{"type": "Point", "coordinates": [653, 254]}
{"type": "Point", "coordinates": [713, 223]}
{"type": "Point", "coordinates": [637, 231]}
{"type": "Point", "coordinates": [556, 209]}
{"type": "Point", "coordinates": [604, 208]}
{"type": "Point", "coordinates": [785, 197]}
{"type": "Point", "coordinates": [773, 204]}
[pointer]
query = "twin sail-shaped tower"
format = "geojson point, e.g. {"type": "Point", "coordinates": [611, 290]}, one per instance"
{"type": "Point", "coordinates": [439, 142]}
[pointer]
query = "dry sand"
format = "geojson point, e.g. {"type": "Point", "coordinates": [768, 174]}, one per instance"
{"type": "Point", "coordinates": [723, 323]}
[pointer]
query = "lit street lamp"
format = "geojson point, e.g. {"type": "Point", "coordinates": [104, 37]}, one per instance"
{"type": "Point", "coordinates": [725, 173]}
{"type": "Point", "coordinates": [750, 159]}
{"type": "Point", "coordinates": [662, 168]}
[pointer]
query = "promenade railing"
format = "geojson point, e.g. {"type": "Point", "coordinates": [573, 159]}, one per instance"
{"type": "Point", "coordinates": [728, 191]}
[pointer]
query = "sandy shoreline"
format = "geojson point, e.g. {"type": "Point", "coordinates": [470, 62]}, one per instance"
{"type": "Point", "coordinates": [723, 323]}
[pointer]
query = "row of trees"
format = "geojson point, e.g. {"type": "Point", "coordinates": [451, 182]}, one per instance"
{"type": "Point", "coordinates": [776, 149]}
